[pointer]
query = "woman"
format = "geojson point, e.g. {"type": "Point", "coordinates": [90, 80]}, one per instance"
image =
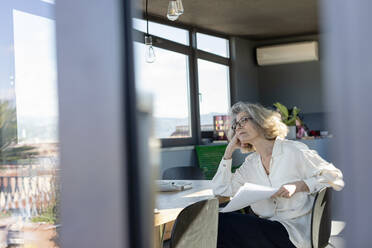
{"type": "Point", "coordinates": [284, 219]}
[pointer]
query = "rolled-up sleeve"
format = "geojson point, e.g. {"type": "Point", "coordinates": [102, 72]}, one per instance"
{"type": "Point", "coordinates": [226, 183]}
{"type": "Point", "coordinates": [318, 172]}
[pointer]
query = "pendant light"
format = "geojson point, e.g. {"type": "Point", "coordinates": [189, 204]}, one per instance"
{"type": "Point", "coordinates": [175, 9]}
{"type": "Point", "coordinates": [179, 7]}
{"type": "Point", "coordinates": [149, 53]}
{"type": "Point", "coordinates": [172, 13]}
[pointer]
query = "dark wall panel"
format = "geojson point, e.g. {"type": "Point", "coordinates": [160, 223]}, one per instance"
{"type": "Point", "coordinates": [296, 84]}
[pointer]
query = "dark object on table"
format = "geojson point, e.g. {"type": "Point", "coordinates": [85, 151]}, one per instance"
{"type": "Point", "coordinates": [314, 133]}
{"type": "Point", "coordinates": [207, 134]}
{"type": "Point", "coordinates": [207, 137]}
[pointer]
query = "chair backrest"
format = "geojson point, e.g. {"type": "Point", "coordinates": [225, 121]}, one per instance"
{"type": "Point", "coordinates": [321, 219]}
{"type": "Point", "coordinates": [183, 173]}
{"type": "Point", "coordinates": [196, 226]}
{"type": "Point", "coordinates": [209, 158]}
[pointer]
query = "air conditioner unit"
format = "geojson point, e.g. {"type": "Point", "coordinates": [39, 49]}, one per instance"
{"type": "Point", "coordinates": [288, 53]}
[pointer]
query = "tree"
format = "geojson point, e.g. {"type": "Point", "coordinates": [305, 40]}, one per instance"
{"type": "Point", "coordinates": [9, 151]}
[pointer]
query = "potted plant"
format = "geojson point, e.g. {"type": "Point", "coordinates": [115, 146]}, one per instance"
{"type": "Point", "coordinates": [289, 118]}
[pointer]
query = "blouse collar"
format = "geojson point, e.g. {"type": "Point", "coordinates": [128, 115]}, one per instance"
{"type": "Point", "coordinates": [277, 149]}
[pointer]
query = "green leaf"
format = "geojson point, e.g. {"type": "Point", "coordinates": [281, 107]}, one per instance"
{"type": "Point", "coordinates": [288, 118]}
{"type": "Point", "coordinates": [282, 109]}
{"type": "Point", "coordinates": [291, 121]}
{"type": "Point", "coordinates": [295, 111]}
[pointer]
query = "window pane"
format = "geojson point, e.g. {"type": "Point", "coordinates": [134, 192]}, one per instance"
{"type": "Point", "coordinates": [35, 84]}
{"type": "Point", "coordinates": [29, 149]}
{"type": "Point", "coordinates": [212, 44]}
{"type": "Point", "coordinates": [167, 80]}
{"type": "Point", "coordinates": [164, 31]}
{"type": "Point", "coordinates": [213, 92]}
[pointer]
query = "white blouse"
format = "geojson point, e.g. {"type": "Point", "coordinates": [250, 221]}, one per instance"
{"type": "Point", "coordinates": [290, 161]}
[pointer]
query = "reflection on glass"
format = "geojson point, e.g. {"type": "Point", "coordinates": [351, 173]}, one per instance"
{"type": "Point", "coordinates": [29, 176]}
{"type": "Point", "coordinates": [167, 80]}
{"type": "Point", "coordinates": [213, 44]}
{"type": "Point", "coordinates": [213, 92]}
{"type": "Point", "coordinates": [35, 78]}
{"type": "Point", "coordinates": [149, 53]}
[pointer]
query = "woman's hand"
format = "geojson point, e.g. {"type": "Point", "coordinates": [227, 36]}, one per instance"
{"type": "Point", "coordinates": [231, 147]}
{"type": "Point", "coordinates": [289, 189]}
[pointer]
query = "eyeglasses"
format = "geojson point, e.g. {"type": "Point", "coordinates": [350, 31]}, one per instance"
{"type": "Point", "coordinates": [240, 123]}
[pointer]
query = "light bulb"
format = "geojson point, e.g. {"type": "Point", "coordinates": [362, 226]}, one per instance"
{"type": "Point", "coordinates": [172, 13]}
{"type": "Point", "coordinates": [179, 7]}
{"type": "Point", "coordinates": [149, 53]}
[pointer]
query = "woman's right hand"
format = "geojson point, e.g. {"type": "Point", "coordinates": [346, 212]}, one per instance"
{"type": "Point", "coordinates": [231, 147]}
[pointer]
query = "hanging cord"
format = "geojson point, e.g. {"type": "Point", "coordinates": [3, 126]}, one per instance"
{"type": "Point", "coordinates": [147, 19]}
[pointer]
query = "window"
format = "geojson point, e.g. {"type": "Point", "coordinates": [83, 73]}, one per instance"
{"type": "Point", "coordinates": [164, 31]}
{"type": "Point", "coordinates": [212, 44]}
{"type": "Point", "coordinates": [213, 92]}
{"type": "Point", "coordinates": [167, 80]}
{"type": "Point", "coordinates": [173, 82]}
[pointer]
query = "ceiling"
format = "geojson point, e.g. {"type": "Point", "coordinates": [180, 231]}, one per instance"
{"type": "Point", "coordinates": [256, 19]}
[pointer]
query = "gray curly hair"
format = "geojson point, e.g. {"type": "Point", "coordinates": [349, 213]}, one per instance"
{"type": "Point", "coordinates": [267, 122]}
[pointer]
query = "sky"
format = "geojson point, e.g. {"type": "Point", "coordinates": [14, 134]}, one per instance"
{"type": "Point", "coordinates": [35, 65]}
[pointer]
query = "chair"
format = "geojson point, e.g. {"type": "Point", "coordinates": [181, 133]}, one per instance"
{"type": "Point", "coordinates": [209, 157]}
{"type": "Point", "coordinates": [321, 219]}
{"type": "Point", "coordinates": [183, 173]}
{"type": "Point", "coordinates": [196, 226]}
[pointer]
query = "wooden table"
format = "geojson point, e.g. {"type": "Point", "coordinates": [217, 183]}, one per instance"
{"type": "Point", "coordinates": [170, 204]}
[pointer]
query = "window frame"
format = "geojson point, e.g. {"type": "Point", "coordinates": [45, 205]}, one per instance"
{"type": "Point", "coordinates": [193, 55]}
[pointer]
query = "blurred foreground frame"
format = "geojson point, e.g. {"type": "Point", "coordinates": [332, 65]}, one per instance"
{"type": "Point", "coordinates": [347, 76]}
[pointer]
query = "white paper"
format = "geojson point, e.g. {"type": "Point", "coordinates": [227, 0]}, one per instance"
{"type": "Point", "coordinates": [247, 194]}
